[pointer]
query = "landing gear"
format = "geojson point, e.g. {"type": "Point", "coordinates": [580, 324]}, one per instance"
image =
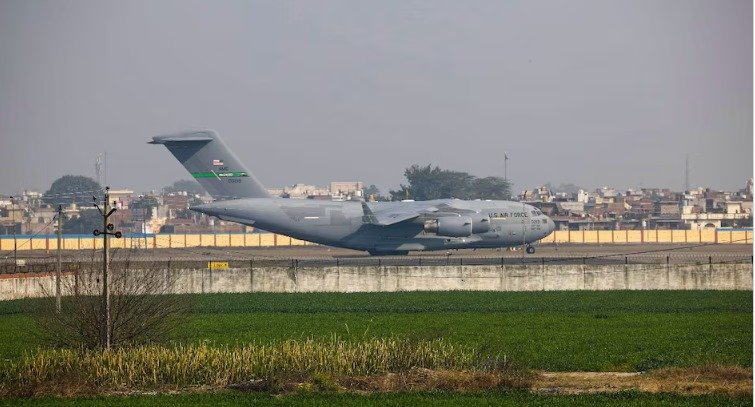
{"type": "Point", "coordinates": [530, 249]}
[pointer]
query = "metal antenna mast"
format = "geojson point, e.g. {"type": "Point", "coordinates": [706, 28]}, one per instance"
{"type": "Point", "coordinates": [686, 173]}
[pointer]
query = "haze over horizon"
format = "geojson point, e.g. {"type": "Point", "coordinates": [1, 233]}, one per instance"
{"type": "Point", "coordinates": [588, 92]}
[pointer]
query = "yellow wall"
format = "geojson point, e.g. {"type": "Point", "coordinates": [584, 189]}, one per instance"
{"type": "Point", "coordinates": [692, 236]}
{"type": "Point", "coordinates": [605, 236]}
{"type": "Point", "coordinates": [223, 240]}
{"type": "Point", "coordinates": [620, 236]}
{"type": "Point", "coordinates": [634, 236]}
{"type": "Point", "coordinates": [86, 243]}
{"type": "Point", "coordinates": [576, 236]}
{"type": "Point", "coordinates": [741, 237]}
{"type": "Point", "coordinates": [237, 240]}
{"type": "Point", "coordinates": [163, 241]}
{"type": "Point", "coordinates": [590, 236]}
{"type": "Point", "coordinates": [207, 240]}
{"type": "Point", "coordinates": [253, 240]}
{"type": "Point", "coordinates": [38, 244]}
{"type": "Point", "coordinates": [664, 236]}
{"type": "Point", "coordinates": [192, 240]}
{"type": "Point", "coordinates": [269, 239]}
{"type": "Point", "coordinates": [724, 236]}
{"type": "Point", "coordinates": [678, 236]}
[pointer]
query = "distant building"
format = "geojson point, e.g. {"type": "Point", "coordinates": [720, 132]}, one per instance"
{"type": "Point", "coordinates": [121, 197]}
{"type": "Point", "coordinates": [346, 190]}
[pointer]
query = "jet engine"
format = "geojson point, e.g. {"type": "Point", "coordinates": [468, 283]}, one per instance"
{"type": "Point", "coordinates": [480, 223]}
{"type": "Point", "coordinates": [451, 226]}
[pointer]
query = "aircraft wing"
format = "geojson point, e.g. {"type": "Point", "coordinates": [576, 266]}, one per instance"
{"type": "Point", "coordinates": [395, 214]}
{"type": "Point", "coordinates": [398, 213]}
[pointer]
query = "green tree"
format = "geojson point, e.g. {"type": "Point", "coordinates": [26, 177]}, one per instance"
{"type": "Point", "coordinates": [491, 188]}
{"type": "Point", "coordinates": [70, 189]}
{"type": "Point", "coordinates": [568, 188]}
{"type": "Point", "coordinates": [189, 186]}
{"type": "Point", "coordinates": [428, 182]}
{"type": "Point", "coordinates": [144, 202]}
{"type": "Point", "coordinates": [373, 191]}
{"type": "Point", "coordinates": [88, 220]}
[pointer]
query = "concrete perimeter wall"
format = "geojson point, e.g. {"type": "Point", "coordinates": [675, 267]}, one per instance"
{"type": "Point", "coordinates": [163, 241]}
{"type": "Point", "coordinates": [429, 278]}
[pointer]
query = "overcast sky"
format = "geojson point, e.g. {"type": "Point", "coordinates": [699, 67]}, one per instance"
{"type": "Point", "coordinates": [588, 92]}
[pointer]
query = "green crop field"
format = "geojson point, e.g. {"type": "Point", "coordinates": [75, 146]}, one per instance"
{"type": "Point", "coordinates": [563, 331]}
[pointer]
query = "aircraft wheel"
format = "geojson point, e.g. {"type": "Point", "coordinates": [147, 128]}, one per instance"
{"type": "Point", "coordinates": [530, 249]}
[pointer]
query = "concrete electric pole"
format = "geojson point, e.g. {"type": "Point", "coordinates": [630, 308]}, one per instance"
{"type": "Point", "coordinates": [60, 259]}
{"type": "Point", "coordinates": [15, 244]}
{"type": "Point", "coordinates": [108, 230]}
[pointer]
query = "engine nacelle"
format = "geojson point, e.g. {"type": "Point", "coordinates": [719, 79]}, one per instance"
{"type": "Point", "coordinates": [480, 223]}
{"type": "Point", "coordinates": [451, 226]}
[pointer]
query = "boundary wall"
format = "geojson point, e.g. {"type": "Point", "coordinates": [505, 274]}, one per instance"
{"type": "Point", "coordinates": [165, 241]}
{"type": "Point", "coordinates": [427, 278]}
{"type": "Point", "coordinates": [650, 236]}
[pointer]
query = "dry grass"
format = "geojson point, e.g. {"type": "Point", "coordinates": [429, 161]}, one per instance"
{"type": "Point", "coordinates": [419, 379]}
{"type": "Point", "coordinates": [712, 379]}
{"type": "Point", "coordinates": [67, 372]}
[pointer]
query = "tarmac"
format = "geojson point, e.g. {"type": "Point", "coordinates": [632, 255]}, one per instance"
{"type": "Point", "coordinates": [568, 253]}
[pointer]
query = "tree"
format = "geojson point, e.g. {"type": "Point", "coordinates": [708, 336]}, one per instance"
{"type": "Point", "coordinates": [189, 186]}
{"type": "Point", "coordinates": [70, 189]}
{"type": "Point", "coordinates": [568, 188]}
{"type": "Point", "coordinates": [88, 220]}
{"type": "Point", "coordinates": [491, 188]}
{"type": "Point", "coordinates": [142, 306]}
{"type": "Point", "coordinates": [372, 192]}
{"type": "Point", "coordinates": [427, 182]}
{"type": "Point", "coordinates": [144, 202]}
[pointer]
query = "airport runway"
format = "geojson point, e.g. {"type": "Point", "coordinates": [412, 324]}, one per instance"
{"type": "Point", "coordinates": [323, 255]}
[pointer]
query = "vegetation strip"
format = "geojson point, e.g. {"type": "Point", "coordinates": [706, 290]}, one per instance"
{"type": "Point", "coordinates": [152, 366]}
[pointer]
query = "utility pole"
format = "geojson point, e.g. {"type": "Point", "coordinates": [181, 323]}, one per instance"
{"type": "Point", "coordinates": [524, 227]}
{"type": "Point", "coordinates": [108, 230]}
{"type": "Point", "coordinates": [15, 245]}
{"type": "Point", "coordinates": [60, 259]}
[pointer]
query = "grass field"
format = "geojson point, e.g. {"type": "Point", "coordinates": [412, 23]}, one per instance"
{"type": "Point", "coordinates": [514, 398]}
{"type": "Point", "coordinates": [561, 331]}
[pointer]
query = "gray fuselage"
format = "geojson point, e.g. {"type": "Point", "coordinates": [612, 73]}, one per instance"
{"type": "Point", "coordinates": [343, 224]}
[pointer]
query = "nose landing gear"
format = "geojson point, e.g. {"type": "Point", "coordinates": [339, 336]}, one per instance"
{"type": "Point", "coordinates": [530, 249]}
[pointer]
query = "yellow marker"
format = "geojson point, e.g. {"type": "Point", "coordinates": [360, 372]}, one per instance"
{"type": "Point", "coordinates": [217, 265]}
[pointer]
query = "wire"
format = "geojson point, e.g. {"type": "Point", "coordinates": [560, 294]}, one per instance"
{"type": "Point", "coordinates": [30, 237]}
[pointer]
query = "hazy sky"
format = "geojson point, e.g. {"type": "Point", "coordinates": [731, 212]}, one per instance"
{"type": "Point", "coordinates": [588, 92]}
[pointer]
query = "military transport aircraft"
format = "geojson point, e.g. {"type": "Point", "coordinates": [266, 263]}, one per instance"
{"type": "Point", "coordinates": [381, 228]}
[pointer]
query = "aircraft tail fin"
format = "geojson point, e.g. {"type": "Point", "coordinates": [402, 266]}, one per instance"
{"type": "Point", "coordinates": [211, 163]}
